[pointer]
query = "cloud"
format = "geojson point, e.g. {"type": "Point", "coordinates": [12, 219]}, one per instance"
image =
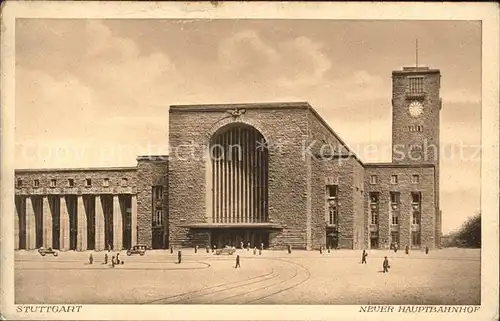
{"type": "Point", "coordinates": [296, 63]}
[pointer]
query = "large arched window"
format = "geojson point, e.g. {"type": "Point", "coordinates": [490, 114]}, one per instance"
{"type": "Point", "coordinates": [239, 170]}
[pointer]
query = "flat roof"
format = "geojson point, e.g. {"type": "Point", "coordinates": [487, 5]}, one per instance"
{"type": "Point", "coordinates": [260, 105]}
{"type": "Point", "coordinates": [415, 70]}
{"type": "Point", "coordinates": [399, 165]}
{"type": "Point", "coordinates": [86, 169]}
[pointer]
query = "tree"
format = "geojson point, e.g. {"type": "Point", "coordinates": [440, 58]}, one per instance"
{"type": "Point", "coordinates": [469, 235]}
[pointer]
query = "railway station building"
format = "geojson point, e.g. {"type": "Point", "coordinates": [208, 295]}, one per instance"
{"type": "Point", "coordinates": [271, 173]}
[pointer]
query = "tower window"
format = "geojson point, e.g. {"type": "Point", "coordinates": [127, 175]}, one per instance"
{"type": "Point", "coordinates": [158, 218]}
{"type": "Point", "coordinates": [373, 179]}
{"type": "Point", "coordinates": [158, 192]}
{"type": "Point", "coordinates": [36, 183]}
{"type": "Point", "coordinates": [53, 183]}
{"type": "Point", "coordinates": [394, 179]}
{"type": "Point", "coordinates": [105, 182]}
{"type": "Point", "coordinates": [416, 85]}
{"type": "Point", "coordinates": [415, 197]}
{"type": "Point", "coordinates": [395, 197]}
{"type": "Point", "coordinates": [88, 182]}
{"type": "Point", "coordinates": [124, 182]}
{"type": "Point", "coordinates": [415, 179]}
{"type": "Point", "coordinates": [332, 191]}
{"type": "Point", "coordinates": [395, 217]}
{"type": "Point", "coordinates": [71, 182]}
{"type": "Point", "coordinates": [374, 207]}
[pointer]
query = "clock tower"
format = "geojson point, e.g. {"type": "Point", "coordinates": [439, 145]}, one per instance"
{"type": "Point", "coordinates": [416, 106]}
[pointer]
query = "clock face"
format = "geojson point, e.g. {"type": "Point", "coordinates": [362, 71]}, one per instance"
{"type": "Point", "coordinates": [416, 108]}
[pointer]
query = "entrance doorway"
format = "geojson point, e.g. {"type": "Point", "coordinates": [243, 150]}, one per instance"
{"type": "Point", "coordinates": [73, 221]}
{"type": "Point", "coordinates": [21, 212]}
{"type": "Point", "coordinates": [332, 240]}
{"type": "Point", "coordinates": [234, 237]}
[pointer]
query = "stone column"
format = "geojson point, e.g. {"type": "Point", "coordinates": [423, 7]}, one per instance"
{"type": "Point", "coordinates": [64, 224]}
{"type": "Point", "coordinates": [18, 211]}
{"type": "Point", "coordinates": [47, 223]}
{"type": "Point", "coordinates": [134, 220]}
{"type": "Point", "coordinates": [30, 225]}
{"type": "Point", "coordinates": [99, 225]}
{"type": "Point", "coordinates": [117, 224]}
{"type": "Point", "coordinates": [81, 240]}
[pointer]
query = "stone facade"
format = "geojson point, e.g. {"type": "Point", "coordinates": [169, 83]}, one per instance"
{"type": "Point", "coordinates": [172, 201]}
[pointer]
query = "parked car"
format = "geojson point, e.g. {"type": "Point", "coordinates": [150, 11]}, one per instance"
{"type": "Point", "coordinates": [227, 250]}
{"type": "Point", "coordinates": [44, 251]}
{"type": "Point", "coordinates": [137, 249]}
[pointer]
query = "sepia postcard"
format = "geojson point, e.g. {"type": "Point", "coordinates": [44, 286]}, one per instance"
{"type": "Point", "coordinates": [249, 161]}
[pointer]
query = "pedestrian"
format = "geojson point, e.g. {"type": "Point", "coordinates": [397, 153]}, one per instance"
{"type": "Point", "coordinates": [113, 261]}
{"type": "Point", "coordinates": [208, 248]}
{"type": "Point", "coordinates": [395, 247]}
{"type": "Point", "coordinates": [213, 248]}
{"type": "Point", "coordinates": [289, 249]}
{"type": "Point", "coordinates": [320, 249]}
{"type": "Point", "coordinates": [237, 262]}
{"type": "Point", "coordinates": [241, 245]}
{"type": "Point", "coordinates": [328, 248]}
{"type": "Point", "coordinates": [117, 258]}
{"type": "Point", "coordinates": [262, 246]}
{"type": "Point", "coordinates": [426, 250]}
{"type": "Point", "coordinates": [407, 249]}
{"type": "Point", "coordinates": [109, 247]}
{"type": "Point", "coordinates": [179, 257]}
{"type": "Point", "coordinates": [248, 246]}
{"type": "Point", "coordinates": [363, 257]}
{"type": "Point", "coordinates": [105, 258]}
{"type": "Point", "coordinates": [196, 249]}
{"type": "Point", "coordinates": [91, 259]}
{"type": "Point", "coordinates": [254, 250]}
{"type": "Point", "coordinates": [386, 265]}
{"type": "Point", "coordinates": [260, 251]}
{"type": "Point", "coordinates": [171, 250]}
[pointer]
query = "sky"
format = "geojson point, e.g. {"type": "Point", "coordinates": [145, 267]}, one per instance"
{"type": "Point", "coordinates": [92, 93]}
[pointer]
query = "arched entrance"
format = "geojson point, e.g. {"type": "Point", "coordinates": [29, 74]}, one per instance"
{"type": "Point", "coordinates": [239, 185]}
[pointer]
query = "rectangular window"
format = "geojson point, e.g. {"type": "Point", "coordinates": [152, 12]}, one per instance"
{"type": "Point", "coordinates": [71, 182]}
{"type": "Point", "coordinates": [395, 218]}
{"type": "Point", "coordinates": [374, 197]}
{"type": "Point", "coordinates": [373, 179]}
{"type": "Point", "coordinates": [415, 219]}
{"type": "Point", "coordinates": [53, 183]}
{"type": "Point", "coordinates": [19, 183]}
{"type": "Point", "coordinates": [415, 179]}
{"type": "Point", "coordinates": [333, 215]}
{"type": "Point", "coordinates": [416, 85]}
{"type": "Point", "coordinates": [36, 183]}
{"type": "Point", "coordinates": [332, 191]}
{"type": "Point", "coordinates": [158, 218]}
{"type": "Point", "coordinates": [394, 197]}
{"type": "Point", "coordinates": [394, 179]}
{"type": "Point", "coordinates": [88, 182]}
{"type": "Point", "coordinates": [124, 182]}
{"type": "Point", "coordinates": [415, 197]}
{"type": "Point", "coordinates": [158, 192]}
{"type": "Point", "coordinates": [105, 182]}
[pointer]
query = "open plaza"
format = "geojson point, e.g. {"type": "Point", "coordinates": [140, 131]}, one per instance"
{"type": "Point", "coordinates": [447, 276]}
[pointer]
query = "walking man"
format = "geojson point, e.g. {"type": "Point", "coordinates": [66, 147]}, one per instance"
{"type": "Point", "coordinates": [213, 248]}
{"type": "Point", "coordinates": [363, 257]}
{"type": "Point", "coordinates": [171, 250]}
{"type": "Point", "coordinates": [254, 250]}
{"type": "Point", "coordinates": [196, 249]}
{"type": "Point", "coordinates": [248, 246]}
{"type": "Point", "coordinates": [105, 258]}
{"type": "Point", "coordinates": [426, 249]}
{"type": "Point", "coordinates": [179, 257]}
{"type": "Point", "coordinates": [208, 249]}
{"type": "Point", "coordinates": [320, 249]}
{"type": "Point", "coordinates": [91, 259]}
{"type": "Point", "coordinates": [237, 262]}
{"type": "Point", "coordinates": [117, 258]}
{"type": "Point", "coordinates": [395, 247]}
{"type": "Point", "coordinates": [289, 249]}
{"type": "Point", "coordinates": [407, 249]}
{"type": "Point", "coordinates": [113, 261]}
{"type": "Point", "coordinates": [386, 265]}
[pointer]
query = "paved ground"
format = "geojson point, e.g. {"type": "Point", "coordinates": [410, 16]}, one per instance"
{"type": "Point", "coordinates": [450, 276]}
